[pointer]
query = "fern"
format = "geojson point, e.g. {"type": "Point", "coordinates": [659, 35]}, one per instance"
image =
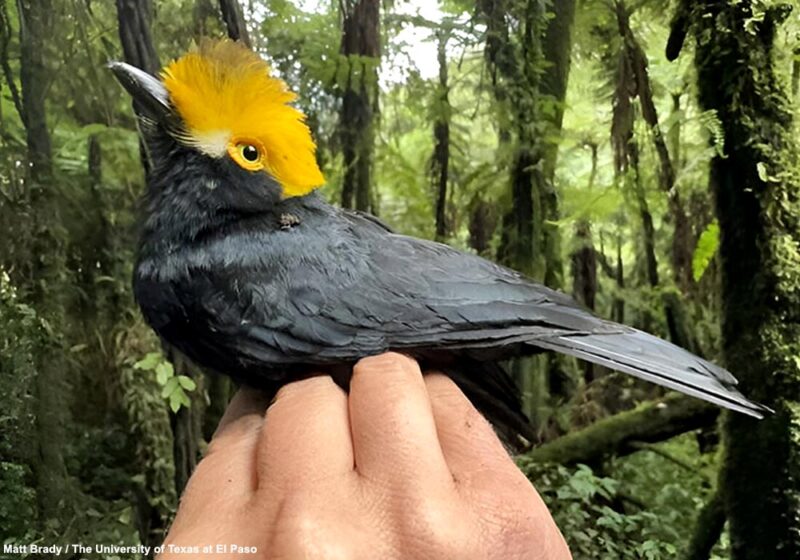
{"type": "Point", "coordinates": [712, 124]}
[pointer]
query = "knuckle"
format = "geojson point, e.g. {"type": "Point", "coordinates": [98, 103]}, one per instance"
{"type": "Point", "coordinates": [517, 533]}
{"type": "Point", "coordinates": [434, 529]}
{"type": "Point", "coordinates": [298, 522]}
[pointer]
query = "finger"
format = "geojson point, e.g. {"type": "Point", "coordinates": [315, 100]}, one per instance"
{"type": "Point", "coordinates": [245, 413]}
{"type": "Point", "coordinates": [394, 434]}
{"type": "Point", "coordinates": [226, 477]}
{"type": "Point", "coordinates": [484, 473]}
{"type": "Point", "coordinates": [232, 451]}
{"type": "Point", "coordinates": [469, 444]}
{"type": "Point", "coordinates": [231, 454]}
{"type": "Point", "coordinates": [306, 435]}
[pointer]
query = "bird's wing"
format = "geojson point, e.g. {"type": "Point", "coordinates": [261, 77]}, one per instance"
{"type": "Point", "coordinates": [356, 289]}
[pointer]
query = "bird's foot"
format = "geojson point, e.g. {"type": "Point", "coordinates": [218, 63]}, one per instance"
{"type": "Point", "coordinates": [288, 221]}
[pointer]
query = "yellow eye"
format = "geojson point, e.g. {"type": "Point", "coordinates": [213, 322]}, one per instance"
{"type": "Point", "coordinates": [249, 155]}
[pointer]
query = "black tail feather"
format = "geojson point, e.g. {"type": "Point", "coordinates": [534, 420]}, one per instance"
{"type": "Point", "coordinates": [652, 359]}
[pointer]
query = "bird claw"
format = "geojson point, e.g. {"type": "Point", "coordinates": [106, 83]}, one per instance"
{"type": "Point", "coordinates": [288, 221]}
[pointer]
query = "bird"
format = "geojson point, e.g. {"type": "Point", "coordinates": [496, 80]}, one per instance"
{"type": "Point", "coordinates": [243, 267]}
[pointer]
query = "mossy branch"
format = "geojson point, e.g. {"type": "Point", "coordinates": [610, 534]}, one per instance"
{"type": "Point", "coordinates": [651, 422]}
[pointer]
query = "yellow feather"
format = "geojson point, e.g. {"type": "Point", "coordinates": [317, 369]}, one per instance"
{"type": "Point", "coordinates": [225, 91]}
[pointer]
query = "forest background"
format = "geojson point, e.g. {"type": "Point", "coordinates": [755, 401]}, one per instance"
{"type": "Point", "coordinates": [639, 154]}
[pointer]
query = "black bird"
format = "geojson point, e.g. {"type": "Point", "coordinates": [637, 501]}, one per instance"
{"type": "Point", "coordinates": [248, 272]}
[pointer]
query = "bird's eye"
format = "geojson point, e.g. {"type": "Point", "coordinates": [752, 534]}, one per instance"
{"type": "Point", "coordinates": [250, 153]}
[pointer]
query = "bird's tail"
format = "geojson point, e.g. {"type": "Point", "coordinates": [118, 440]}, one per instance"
{"type": "Point", "coordinates": [655, 360]}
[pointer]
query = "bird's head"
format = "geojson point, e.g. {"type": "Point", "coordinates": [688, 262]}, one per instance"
{"type": "Point", "coordinates": [219, 108]}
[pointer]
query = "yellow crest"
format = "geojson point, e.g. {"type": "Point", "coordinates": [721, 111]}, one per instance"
{"type": "Point", "coordinates": [231, 104]}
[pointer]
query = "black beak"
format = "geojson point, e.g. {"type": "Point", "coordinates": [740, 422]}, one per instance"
{"type": "Point", "coordinates": [150, 97]}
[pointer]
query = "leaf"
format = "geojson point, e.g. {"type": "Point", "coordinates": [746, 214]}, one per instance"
{"type": "Point", "coordinates": [707, 247]}
{"type": "Point", "coordinates": [164, 371]}
{"type": "Point", "coordinates": [125, 516]}
{"type": "Point", "coordinates": [169, 388]}
{"type": "Point", "coordinates": [174, 402]}
{"type": "Point", "coordinates": [187, 383]}
{"type": "Point", "coordinates": [149, 362]}
{"type": "Point", "coordinates": [184, 399]}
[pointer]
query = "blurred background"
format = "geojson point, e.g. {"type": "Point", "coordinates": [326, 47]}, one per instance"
{"type": "Point", "coordinates": [553, 136]}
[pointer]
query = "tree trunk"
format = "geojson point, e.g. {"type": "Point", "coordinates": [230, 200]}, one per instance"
{"type": "Point", "coordinates": [518, 224]}
{"type": "Point", "coordinates": [482, 224]}
{"type": "Point", "coordinates": [361, 49]}
{"type": "Point", "coordinates": [135, 35]}
{"type": "Point", "coordinates": [756, 188]}
{"type": "Point", "coordinates": [514, 55]}
{"type": "Point", "coordinates": [584, 263]}
{"type": "Point", "coordinates": [34, 30]}
{"type": "Point", "coordinates": [615, 273]}
{"type": "Point", "coordinates": [134, 18]}
{"type": "Point", "coordinates": [520, 38]}
{"type": "Point", "coordinates": [53, 490]}
{"type": "Point", "coordinates": [619, 303]}
{"type": "Point", "coordinates": [584, 258]}
{"type": "Point", "coordinates": [557, 51]}
{"type": "Point", "coordinates": [648, 231]}
{"type": "Point", "coordinates": [234, 21]}
{"type": "Point", "coordinates": [440, 164]}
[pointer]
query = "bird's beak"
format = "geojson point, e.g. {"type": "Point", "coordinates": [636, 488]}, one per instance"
{"type": "Point", "coordinates": [150, 97]}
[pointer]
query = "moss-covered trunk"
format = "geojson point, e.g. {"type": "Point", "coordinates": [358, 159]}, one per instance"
{"type": "Point", "coordinates": [361, 52]}
{"type": "Point", "coordinates": [557, 52]}
{"type": "Point", "coordinates": [46, 288]}
{"type": "Point", "coordinates": [756, 188]}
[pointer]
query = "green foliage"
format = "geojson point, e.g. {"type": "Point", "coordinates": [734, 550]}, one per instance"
{"type": "Point", "coordinates": [713, 126]}
{"type": "Point", "coordinates": [173, 387]}
{"type": "Point", "coordinates": [405, 147]}
{"type": "Point", "coordinates": [18, 506]}
{"type": "Point", "coordinates": [21, 337]}
{"type": "Point", "coordinates": [303, 45]}
{"type": "Point", "coordinates": [150, 426]}
{"type": "Point", "coordinates": [707, 246]}
{"type": "Point", "coordinates": [590, 513]}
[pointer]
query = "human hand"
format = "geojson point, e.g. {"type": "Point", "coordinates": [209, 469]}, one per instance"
{"type": "Point", "coordinates": [402, 467]}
